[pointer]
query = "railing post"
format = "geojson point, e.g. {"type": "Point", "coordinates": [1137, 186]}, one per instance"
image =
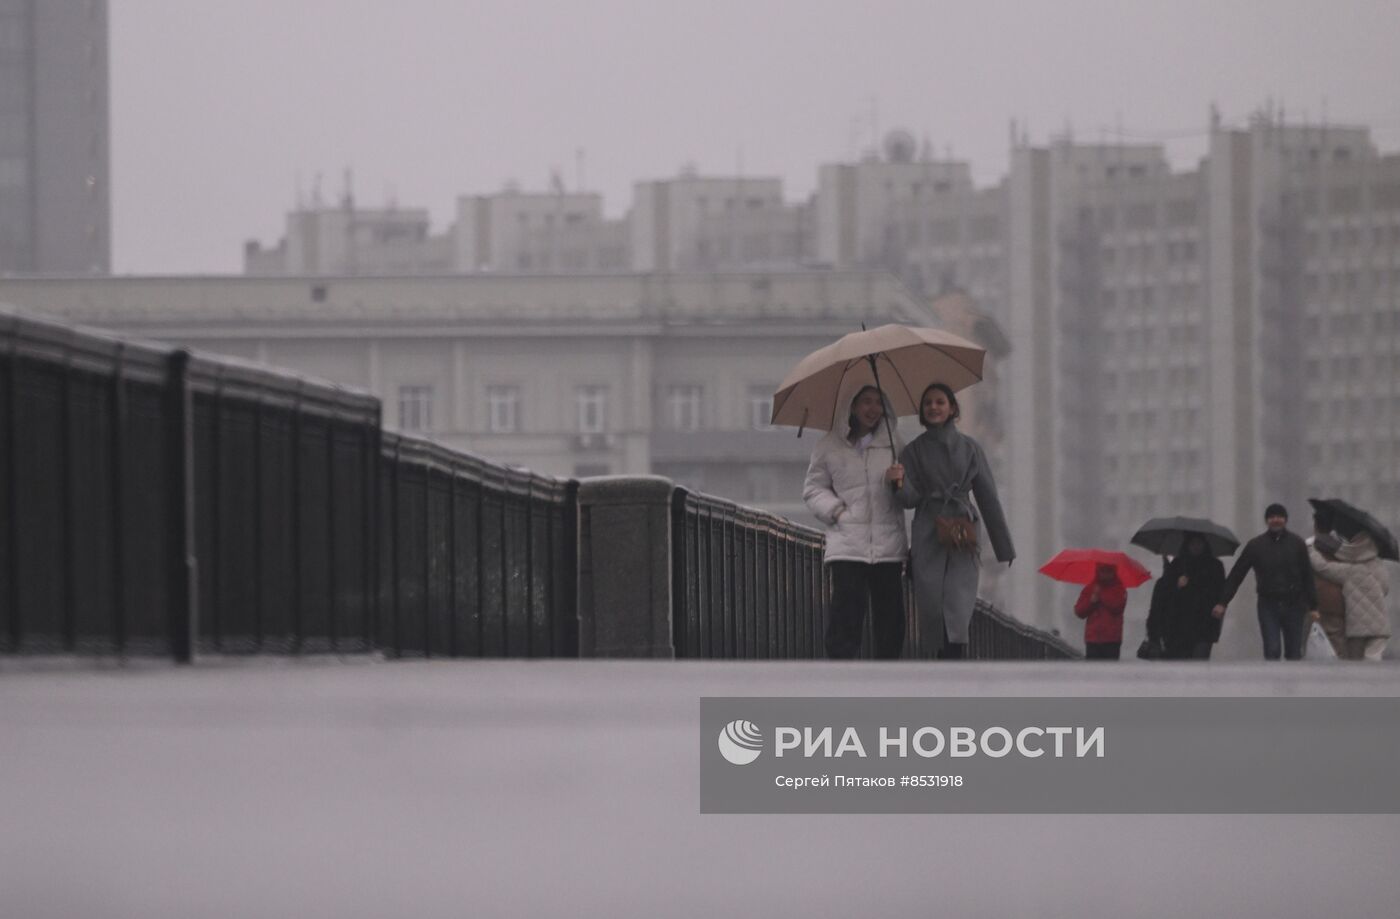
{"type": "Point", "coordinates": [624, 567]}
{"type": "Point", "coordinates": [11, 621]}
{"type": "Point", "coordinates": [181, 599]}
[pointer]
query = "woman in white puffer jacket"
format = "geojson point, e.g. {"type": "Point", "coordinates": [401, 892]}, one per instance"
{"type": "Point", "coordinates": [849, 489]}
{"type": "Point", "coordinates": [1364, 585]}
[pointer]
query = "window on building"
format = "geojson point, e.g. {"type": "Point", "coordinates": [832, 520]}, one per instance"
{"type": "Point", "coordinates": [760, 408]}
{"type": "Point", "coordinates": [415, 408]}
{"type": "Point", "coordinates": [592, 404]}
{"type": "Point", "coordinates": [503, 409]}
{"type": "Point", "coordinates": [683, 407]}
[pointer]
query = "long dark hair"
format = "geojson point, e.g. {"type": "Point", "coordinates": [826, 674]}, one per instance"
{"type": "Point", "coordinates": [852, 425]}
{"type": "Point", "coordinates": [952, 400]}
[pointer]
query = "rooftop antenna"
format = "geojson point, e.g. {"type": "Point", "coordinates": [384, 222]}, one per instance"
{"type": "Point", "coordinates": [578, 168]}
{"type": "Point", "coordinates": [347, 197]}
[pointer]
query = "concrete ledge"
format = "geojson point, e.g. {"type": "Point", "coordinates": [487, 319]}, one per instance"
{"type": "Point", "coordinates": [625, 490]}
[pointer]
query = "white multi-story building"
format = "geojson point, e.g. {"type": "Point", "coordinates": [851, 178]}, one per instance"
{"type": "Point", "coordinates": [861, 207]}
{"type": "Point", "coordinates": [772, 237]}
{"type": "Point", "coordinates": [670, 216]}
{"type": "Point", "coordinates": [515, 232]}
{"type": "Point", "coordinates": [511, 232]}
{"type": "Point", "coordinates": [350, 240]}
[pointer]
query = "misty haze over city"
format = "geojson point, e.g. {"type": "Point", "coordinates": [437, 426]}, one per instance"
{"type": "Point", "coordinates": [221, 111]}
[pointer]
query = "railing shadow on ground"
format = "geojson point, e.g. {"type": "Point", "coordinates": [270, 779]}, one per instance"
{"type": "Point", "coordinates": [155, 502]}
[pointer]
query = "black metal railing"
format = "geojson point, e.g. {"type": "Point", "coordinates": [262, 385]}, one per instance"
{"type": "Point", "coordinates": [745, 584]}
{"type": "Point", "coordinates": [156, 502]}
{"type": "Point", "coordinates": [993, 635]}
{"type": "Point", "coordinates": [284, 510]}
{"type": "Point", "coordinates": [85, 523]}
{"type": "Point", "coordinates": [476, 559]}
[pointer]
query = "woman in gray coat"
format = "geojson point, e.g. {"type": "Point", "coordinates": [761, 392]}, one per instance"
{"type": "Point", "coordinates": [938, 475]}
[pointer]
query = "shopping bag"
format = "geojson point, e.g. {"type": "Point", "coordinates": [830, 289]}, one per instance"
{"type": "Point", "coordinates": [1319, 648]}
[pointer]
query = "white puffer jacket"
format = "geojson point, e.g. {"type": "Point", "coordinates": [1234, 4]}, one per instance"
{"type": "Point", "coordinates": [1364, 586]}
{"type": "Point", "coordinates": [847, 491]}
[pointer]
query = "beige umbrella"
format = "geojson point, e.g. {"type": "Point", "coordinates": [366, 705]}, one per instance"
{"type": "Point", "coordinates": [901, 361]}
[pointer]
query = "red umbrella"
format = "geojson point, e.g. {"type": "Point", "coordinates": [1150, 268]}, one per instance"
{"type": "Point", "coordinates": [1081, 566]}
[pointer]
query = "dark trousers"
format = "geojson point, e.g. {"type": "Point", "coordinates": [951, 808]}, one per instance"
{"type": "Point", "coordinates": [1102, 650]}
{"type": "Point", "coordinates": [1189, 650]}
{"type": "Point", "coordinates": [854, 587]}
{"type": "Point", "coordinates": [1282, 619]}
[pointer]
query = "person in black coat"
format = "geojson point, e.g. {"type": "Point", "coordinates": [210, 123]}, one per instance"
{"type": "Point", "coordinates": [1180, 617]}
{"type": "Point", "coordinates": [1283, 577]}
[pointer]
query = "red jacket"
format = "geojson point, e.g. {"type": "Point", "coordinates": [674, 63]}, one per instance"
{"type": "Point", "coordinates": [1105, 616]}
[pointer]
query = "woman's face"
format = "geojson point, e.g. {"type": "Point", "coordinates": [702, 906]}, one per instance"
{"type": "Point", "coordinates": [868, 409]}
{"type": "Point", "coordinates": [936, 409]}
{"type": "Point", "coordinates": [1195, 545]}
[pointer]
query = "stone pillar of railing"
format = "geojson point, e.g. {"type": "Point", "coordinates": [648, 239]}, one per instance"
{"type": "Point", "coordinates": [624, 567]}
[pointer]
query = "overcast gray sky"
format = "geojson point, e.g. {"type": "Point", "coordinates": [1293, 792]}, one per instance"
{"type": "Point", "coordinates": [218, 107]}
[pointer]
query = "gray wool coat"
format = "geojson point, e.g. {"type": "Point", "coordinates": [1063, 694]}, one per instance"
{"type": "Point", "coordinates": [944, 472]}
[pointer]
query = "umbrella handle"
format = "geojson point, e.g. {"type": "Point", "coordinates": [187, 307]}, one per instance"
{"type": "Point", "coordinates": [883, 403]}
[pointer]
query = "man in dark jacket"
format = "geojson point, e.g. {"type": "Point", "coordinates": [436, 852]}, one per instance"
{"type": "Point", "coordinates": [1283, 578]}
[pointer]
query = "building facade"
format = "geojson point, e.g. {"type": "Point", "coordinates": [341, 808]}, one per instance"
{"type": "Point", "coordinates": [55, 200]}
{"type": "Point", "coordinates": [659, 373]}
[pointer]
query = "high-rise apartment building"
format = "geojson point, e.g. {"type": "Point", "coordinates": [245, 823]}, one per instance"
{"type": "Point", "coordinates": [55, 202]}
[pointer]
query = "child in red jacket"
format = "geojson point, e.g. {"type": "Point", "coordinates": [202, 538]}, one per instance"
{"type": "Point", "coordinates": [1101, 605]}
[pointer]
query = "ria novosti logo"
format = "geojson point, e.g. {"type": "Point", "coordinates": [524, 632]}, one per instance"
{"type": "Point", "coordinates": [740, 742]}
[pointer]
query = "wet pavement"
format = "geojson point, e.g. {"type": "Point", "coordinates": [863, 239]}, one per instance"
{"type": "Point", "coordinates": [425, 789]}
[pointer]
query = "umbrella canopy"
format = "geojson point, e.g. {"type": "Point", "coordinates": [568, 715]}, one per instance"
{"type": "Point", "coordinates": [1385, 540]}
{"type": "Point", "coordinates": [907, 360]}
{"type": "Point", "coordinates": [1167, 535]}
{"type": "Point", "coordinates": [1081, 566]}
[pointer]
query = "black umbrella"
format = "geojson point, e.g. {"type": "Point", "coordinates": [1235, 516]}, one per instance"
{"type": "Point", "coordinates": [1167, 535]}
{"type": "Point", "coordinates": [1385, 540]}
